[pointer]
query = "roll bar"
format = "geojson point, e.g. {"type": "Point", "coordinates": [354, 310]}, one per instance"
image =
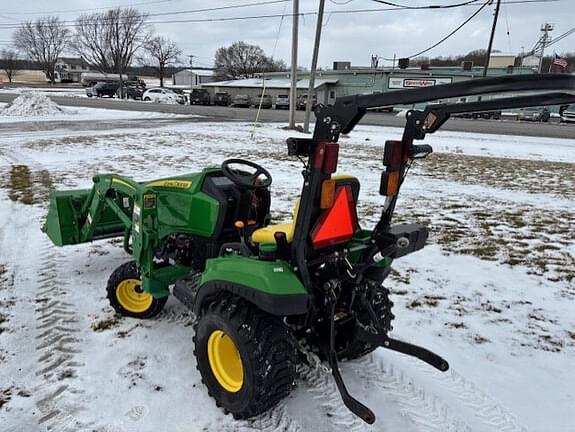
{"type": "Point", "coordinates": [348, 110]}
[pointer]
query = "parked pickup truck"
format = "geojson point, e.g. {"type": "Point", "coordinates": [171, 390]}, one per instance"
{"type": "Point", "coordinates": [282, 101]}
{"type": "Point", "coordinates": [242, 100]}
{"type": "Point", "coordinates": [222, 99]}
{"type": "Point", "coordinates": [568, 115]}
{"type": "Point", "coordinates": [103, 89]}
{"type": "Point", "coordinates": [199, 97]}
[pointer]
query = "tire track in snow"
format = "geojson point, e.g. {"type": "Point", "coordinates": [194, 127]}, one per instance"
{"type": "Point", "coordinates": [319, 382]}
{"type": "Point", "coordinates": [57, 344]}
{"type": "Point", "coordinates": [429, 411]}
{"type": "Point", "coordinates": [423, 410]}
{"type": "Point", "coordinates": [176, 315]}
{"type": "Point", "coordinates": [275, 420]}
{"type": "Point", "coordinates": [484, 407]}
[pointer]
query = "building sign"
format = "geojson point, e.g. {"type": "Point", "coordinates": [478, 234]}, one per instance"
{"type": "Point", "coordinates": [400, 83]}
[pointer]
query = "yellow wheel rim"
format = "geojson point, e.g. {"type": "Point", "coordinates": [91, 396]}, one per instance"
{"type": "Point", "coordinates": [130, 298]}
{"type": "Point", "coordinates": [225, 361]}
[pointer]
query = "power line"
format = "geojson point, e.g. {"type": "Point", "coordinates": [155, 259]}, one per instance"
{"type": "Point", "coordinates": [236, 6]}
{"type": "Point", "coordinates": [488, 2]}
{"type": "Point", "coordinates": [342, 3]}
{"type": "Point", "coordinates": [180, 12]}
{"type": "Point", "coordinates": [561, 37]}
{"type": "Point", "coordinates": [463, 4]}
{"type": "Point", "coordinates": [450, 6]}
{"type": "Point", "coordinates": [7, 26]}
{"type": "Point", "coordinates": [508, 28]}
{"type": "Point", "coordinates": [91, 9]}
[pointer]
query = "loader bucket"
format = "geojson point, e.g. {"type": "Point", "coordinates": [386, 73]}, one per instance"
{"type": "Point", "coordinates": [68, 213]}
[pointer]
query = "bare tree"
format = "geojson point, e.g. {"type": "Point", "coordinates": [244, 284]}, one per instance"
{"type": "Point", "coordinates": [109, 40]}
{"type": "Point", "coordinates": [161, 52]}
{"type": "Point", "coordinates": [43, 41]}
{"type": "Point", "coordinates": [8, 62]}
{"type": "Point", "coordinates": [242, 60]}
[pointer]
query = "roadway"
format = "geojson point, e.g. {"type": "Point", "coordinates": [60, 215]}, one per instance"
{"type": "Point", "coordinates": [216, 113]}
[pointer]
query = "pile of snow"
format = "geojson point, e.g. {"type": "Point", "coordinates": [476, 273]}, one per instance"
{"type": "Point", "coordinates": [32, 104]}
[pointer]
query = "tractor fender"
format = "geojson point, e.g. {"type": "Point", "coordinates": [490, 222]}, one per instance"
{"type": "Point", "coordinates": [272, 286]}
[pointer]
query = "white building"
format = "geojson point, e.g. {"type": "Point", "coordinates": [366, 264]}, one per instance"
{"type": "Point", "coordinates": [70, 69]}
{"type": "Point", "coordinates": [324, 88]}
{"type": "Point", "coordinates": [193, 78]}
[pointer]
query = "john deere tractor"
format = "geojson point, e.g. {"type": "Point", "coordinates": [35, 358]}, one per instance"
{"type": "Point", "coordinates": [269, 296]}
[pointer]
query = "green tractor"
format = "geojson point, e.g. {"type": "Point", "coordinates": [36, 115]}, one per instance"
{"type": "Point", "coordinates": [269, 296]}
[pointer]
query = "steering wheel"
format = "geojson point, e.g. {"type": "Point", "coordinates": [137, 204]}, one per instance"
{"type": "Point", "coordinates": [244, 178]}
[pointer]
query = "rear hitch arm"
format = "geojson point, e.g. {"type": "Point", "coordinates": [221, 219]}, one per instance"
{"type": "Point", "coordinates": [384, 341]}
{"type": "Point", "coordinates": [349, 401]}
{"type": "Point", "coordinates": [381, 339]}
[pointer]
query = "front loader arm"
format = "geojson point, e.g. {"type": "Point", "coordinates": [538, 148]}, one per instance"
{"type": "Point", "coordinates": [115, 206]}
{"type": "Point", "coordinates": [135, 205]}
{"type": "Point", "coordinates": [101, 198]}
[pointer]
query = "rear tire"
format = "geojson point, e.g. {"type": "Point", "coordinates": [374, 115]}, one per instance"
{"type": "Point", "coordinates": [126, 296]}
{"type": "Point", "coordinates": [381, 305]}
{"type": "Point", "coordinates": [246, 358]}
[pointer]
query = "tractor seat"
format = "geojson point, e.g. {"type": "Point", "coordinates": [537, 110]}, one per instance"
{"type": "Point", "coordinates": [266, 234]}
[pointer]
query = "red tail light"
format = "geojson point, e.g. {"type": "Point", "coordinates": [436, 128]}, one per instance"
{"type": "Point", "coordinates": [326, 157]}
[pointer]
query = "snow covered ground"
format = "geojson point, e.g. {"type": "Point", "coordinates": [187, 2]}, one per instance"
{"type": "Point", "coordinates": [494, 293]}
{"type": "Point", "coordinates": [47, 91]}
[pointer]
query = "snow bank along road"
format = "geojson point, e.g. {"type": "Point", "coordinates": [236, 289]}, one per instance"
{"type": "Point", "coordinates": [216, 113]}
{"type": "Point", "coordinates": [494, 292]}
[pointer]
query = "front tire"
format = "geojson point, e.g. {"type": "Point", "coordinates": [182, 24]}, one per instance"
{"type": "Point", "coordinates": [126, 296]}
{"type": "Point", "coordinates": [246, 358]}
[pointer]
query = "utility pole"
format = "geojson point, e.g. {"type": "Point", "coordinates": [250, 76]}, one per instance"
{"type": "Point", "coordinates": [293, 88]}
{"type": "Point", "coordinates": [490, 46]}
{"type": "Point", "coordinates": [191, 75]}
{"type": "Point", "coordinates": [311, 86]}
{"type": "Point", "coordinates": [542, 43]}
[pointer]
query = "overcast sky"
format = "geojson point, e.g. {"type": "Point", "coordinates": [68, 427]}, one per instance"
{"type": "Point", "coordinates": [346, 36]}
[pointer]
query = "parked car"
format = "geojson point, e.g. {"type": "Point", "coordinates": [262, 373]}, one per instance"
{"type": "Point", "coordinates": [282, 101]}
{"type": "Point", "coordinates": [199, 97]}
{"type": "Point", "coordinates": [181, 93]}
{"type": "Point", "coordinates": [102, 89]}
{"type": "Point", "coordinates": [496, 115]}
{"type": "Point", "coordinates": [242, 100]}
{"type": "Point", "coordinates": [163, 95]}
{"type": "Point", "coordinates": [222, 99]}
{"type": "Point", "coordinates": [131, 92]}
{"type": "Point", "coordinates": [540, 114]}
{"type": "Point", "coordinates": [568, 115]}
{"type": "Point", "coordinates": [266, 101]}
{"type": "Point", "coordinates": [302, 101]}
